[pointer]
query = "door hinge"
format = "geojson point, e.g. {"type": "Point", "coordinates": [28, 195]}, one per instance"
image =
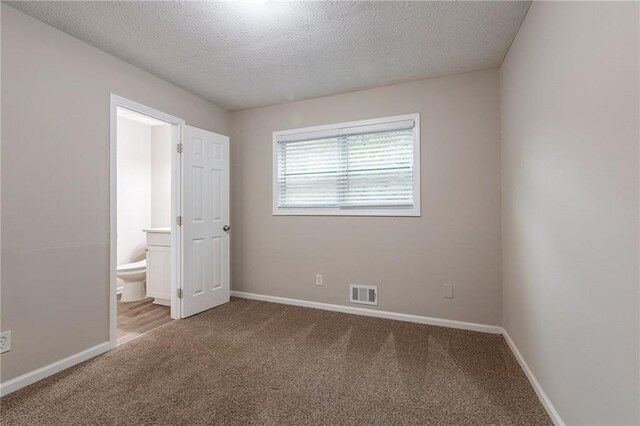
{"type": "Point", "coordinates": [180, 148]}
{"type": "Point", "coordinates": [179, 220]}
{"type": "Point", "coordinates": [179, 293]}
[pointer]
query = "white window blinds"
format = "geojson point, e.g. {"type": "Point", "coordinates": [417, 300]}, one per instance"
{"type": "Point", "coordinates": [348, 168]}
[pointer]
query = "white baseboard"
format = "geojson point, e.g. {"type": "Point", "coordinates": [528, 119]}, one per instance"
{"type": "Point", "coordinates": [544, 399]}
{"type": "Point", "coordinates": [494, 329]}
{"type": "Point", "coordinates": [48, 370]}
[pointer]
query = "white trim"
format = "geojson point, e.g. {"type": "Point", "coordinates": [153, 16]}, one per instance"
{"type": "Point", "coordinates": [176, 203]}
{"type": "Point", "coordinates": [544, 399]}
{"type": "Point", "coordinates": [176, 231]}
{"type": "Point", "coordinates": [381, 211]}
{"type": "Point", "coordinates": [484, 328]}
{"type": "Point", "coordinates": [342, 129]}
{"type": "Point", "coordinates": [48, 370]}
{"type": "Point", "coordinates": [360, 123]}
{"type": "Point", "coordinates": [394, 212]}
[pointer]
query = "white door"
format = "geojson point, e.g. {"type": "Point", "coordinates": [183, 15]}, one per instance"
{"type": "Point", "coordinates": [205, 211]}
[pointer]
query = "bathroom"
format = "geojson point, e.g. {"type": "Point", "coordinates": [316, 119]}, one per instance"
{"type": "Point", "coordinates": [143, 223]}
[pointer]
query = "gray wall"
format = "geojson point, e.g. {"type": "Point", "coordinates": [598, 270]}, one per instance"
{"type": "Point", "coordinates": [569, 101]}
{"type": "Point", "coordinates": [456, 241]}
{"type": "Point", "coordinates": [55, 185]}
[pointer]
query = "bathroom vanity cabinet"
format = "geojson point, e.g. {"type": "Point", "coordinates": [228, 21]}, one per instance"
{"type": "Point", "coordinates": [159, 265]}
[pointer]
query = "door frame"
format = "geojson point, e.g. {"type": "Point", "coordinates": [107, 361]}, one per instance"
{"type": "Point", "coordinates": [177, 125]}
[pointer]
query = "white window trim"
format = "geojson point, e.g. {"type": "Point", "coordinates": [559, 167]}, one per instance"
{"type": "Point", "coordinates": [415, 211]}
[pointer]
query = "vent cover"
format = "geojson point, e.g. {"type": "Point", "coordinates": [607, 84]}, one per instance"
{"type": "Point", "coordinates": [365, 294]}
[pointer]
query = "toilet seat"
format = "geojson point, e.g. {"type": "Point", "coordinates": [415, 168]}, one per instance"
{"type": "Point", "coordinates": [134, 266]}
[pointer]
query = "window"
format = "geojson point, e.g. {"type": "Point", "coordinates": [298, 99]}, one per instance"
{"type": "Point", "coordinates": [363, 168]}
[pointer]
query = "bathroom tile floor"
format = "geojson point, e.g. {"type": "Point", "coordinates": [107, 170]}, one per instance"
{"type": "Point", "coordinates": [137, 318]}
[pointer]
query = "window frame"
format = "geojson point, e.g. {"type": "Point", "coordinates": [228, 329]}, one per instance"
{"type": "Point", "coordinates": [354, 211]}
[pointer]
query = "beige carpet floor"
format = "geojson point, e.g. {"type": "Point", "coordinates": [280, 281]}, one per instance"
{"type": "Point", "coordinates": [260, 363]}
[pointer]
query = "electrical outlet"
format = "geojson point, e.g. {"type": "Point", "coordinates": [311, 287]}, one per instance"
{"type": "Point", "coordinates": [448, 291]}
{"type": "Point", "coordinates": [5, 341]}
{"type": "Point", "coordinates": [318, 279]}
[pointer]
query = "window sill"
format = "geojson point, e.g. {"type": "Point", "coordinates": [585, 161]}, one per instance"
{"type": "Point", "coordinates": [348, 212]}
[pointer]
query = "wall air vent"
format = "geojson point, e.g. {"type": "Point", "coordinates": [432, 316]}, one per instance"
{"type": "Point", "coordinates": [365, 294]}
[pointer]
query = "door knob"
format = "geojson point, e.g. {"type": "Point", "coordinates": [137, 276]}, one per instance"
{"type": "Point", "coordinates": [226, 228]}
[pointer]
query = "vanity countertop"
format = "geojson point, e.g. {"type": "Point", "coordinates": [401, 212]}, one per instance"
{"type": "Point", "coordinates": [166, 230]}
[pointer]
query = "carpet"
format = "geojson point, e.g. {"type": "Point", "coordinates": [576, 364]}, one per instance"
{"type": "Point", "coordinates": [251, 362]}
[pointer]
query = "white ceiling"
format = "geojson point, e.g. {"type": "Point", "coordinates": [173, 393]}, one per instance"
{"type": "Point", "coordinates": [245, 54]}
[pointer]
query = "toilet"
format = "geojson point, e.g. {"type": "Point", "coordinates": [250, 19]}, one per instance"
{"type": "Point", "coordinates": [134, 276]}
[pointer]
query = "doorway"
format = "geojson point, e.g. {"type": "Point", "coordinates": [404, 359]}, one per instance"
{"type": "Point", "coordinates": [145, 198]}
{"type": "Point", "coordinates": [187, 261]}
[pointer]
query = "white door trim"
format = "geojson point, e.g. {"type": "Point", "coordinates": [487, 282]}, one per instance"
{"type": "Point", "coordinates": [176, 206]}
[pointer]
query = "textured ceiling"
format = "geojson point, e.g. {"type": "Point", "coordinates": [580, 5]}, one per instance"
{"type": "Point", "coordinates": [245, 54]}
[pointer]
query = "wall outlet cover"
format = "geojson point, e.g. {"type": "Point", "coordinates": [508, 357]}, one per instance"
{"type": "Point", "coordinates": [448, 291]}
{"type": "Point", "coordinates": [5, 341]}
{"type": "Point", "coordinates": [319, 279]}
